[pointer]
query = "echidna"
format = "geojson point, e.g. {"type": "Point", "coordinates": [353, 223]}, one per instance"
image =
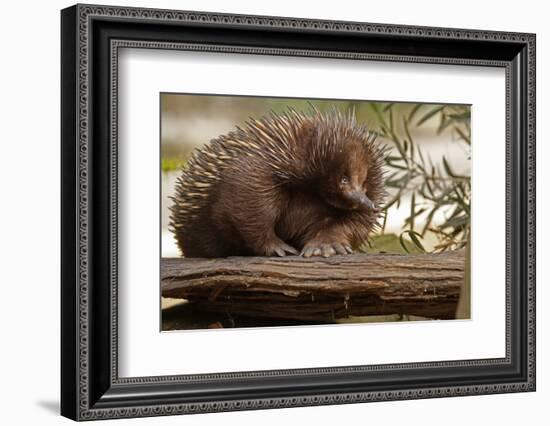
{"type": "Point", "coordinates": [299, 183]}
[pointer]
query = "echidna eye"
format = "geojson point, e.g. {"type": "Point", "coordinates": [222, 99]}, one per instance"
{"type": "Point", "coordinates": [344, 180]}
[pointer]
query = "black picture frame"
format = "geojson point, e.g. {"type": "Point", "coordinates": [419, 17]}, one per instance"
{"type": "Point", "coordinates": [90, 386]}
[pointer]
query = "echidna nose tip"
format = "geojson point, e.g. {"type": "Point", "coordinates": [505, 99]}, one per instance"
{"type": "Point", "coordinates": [369, 204]}
{"type": "Point", "coordinates": [361, 200]}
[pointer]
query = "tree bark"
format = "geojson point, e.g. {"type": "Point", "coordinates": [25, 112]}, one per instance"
{"type": "Point", "coordinates": [319, 289]}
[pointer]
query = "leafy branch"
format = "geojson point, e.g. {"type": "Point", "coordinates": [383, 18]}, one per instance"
{"type": "Point", "coordinates": [434, 189]}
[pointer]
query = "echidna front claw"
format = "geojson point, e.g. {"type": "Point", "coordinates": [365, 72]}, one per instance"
{"type": "Point", "coordinates": [340, 248]}
{"type": "Point", "coordinates": [314, 248]}
{"type": "Point", "coordinates": [279, 249]}
{"type": "Point", "coordinates": [327, 250]}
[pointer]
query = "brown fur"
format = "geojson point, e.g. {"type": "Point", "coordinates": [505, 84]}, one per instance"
{"type": "Point", "coordinates": [283, 184]}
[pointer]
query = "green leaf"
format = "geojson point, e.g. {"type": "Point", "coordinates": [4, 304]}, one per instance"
{"type": "Point", "coordinates": [463, 116]}
{"type": "Point", "coordinates": [383, 228]}
{"type": "Point", "coordinates": [456, 222]}
{"type": "Point", "coordinates": [414, 111]}
{"type": "Point", "coordinates": [447, 167]}
{"type": "Point", "coordinates": [415, 239]}
{"type": "Point", "coordinates": [414, 236]}
{"type": "Point", "coordinates": [398, 166]}
{"type": "Point", "coordinates": [413, 205]}
{"type": "Point", "coordinates": [429, 115]}
{"type": "Point", "coordinates": [429, 220]}
{"type": "Point", "coordinates": [421, 158]}
{"type": "Point", "coordinates": [444, 124]}
{"type": "Point", "coordinates": [402, 242]}
{"type": "Point", "coordinates": [409, 137]}
{"type": "Point", "coordinates": [463, 135]}
{"type": "Point", "coordinates": [391, 202]}
{"type": "Point", "coordinates": [400, 149]}
{"type": "Point", "coordinates": [392, 176]}
{"type": "Point", "coordinates": [417, 213]}
{"type": "Point", "coordinates": [460, 200]}
{"type": "Point", "coordinates": [428, 185]}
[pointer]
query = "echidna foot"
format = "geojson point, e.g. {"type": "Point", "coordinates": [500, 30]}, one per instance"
{"type": "Point", "coordinates": [314, 248]}
{"type": "Point", "coordinates": [279, 248]}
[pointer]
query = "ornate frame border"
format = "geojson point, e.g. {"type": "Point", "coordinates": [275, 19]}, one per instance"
{"type": "Point", "coordinates": [85, 408]}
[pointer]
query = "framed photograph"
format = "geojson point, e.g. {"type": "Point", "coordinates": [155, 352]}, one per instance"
{"type": "Point", "coordinates": [263, 212]}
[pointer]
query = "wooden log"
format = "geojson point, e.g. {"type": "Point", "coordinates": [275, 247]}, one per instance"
{"type": "Point", "coordinates": [319, 289]}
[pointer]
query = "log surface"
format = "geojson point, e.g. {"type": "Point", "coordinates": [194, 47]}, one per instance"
{"type": "Point", "coordinates": [293, 287]}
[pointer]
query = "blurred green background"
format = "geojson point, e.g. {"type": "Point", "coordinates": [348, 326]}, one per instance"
{"type": "Point", "coordinates": [428, 166]}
